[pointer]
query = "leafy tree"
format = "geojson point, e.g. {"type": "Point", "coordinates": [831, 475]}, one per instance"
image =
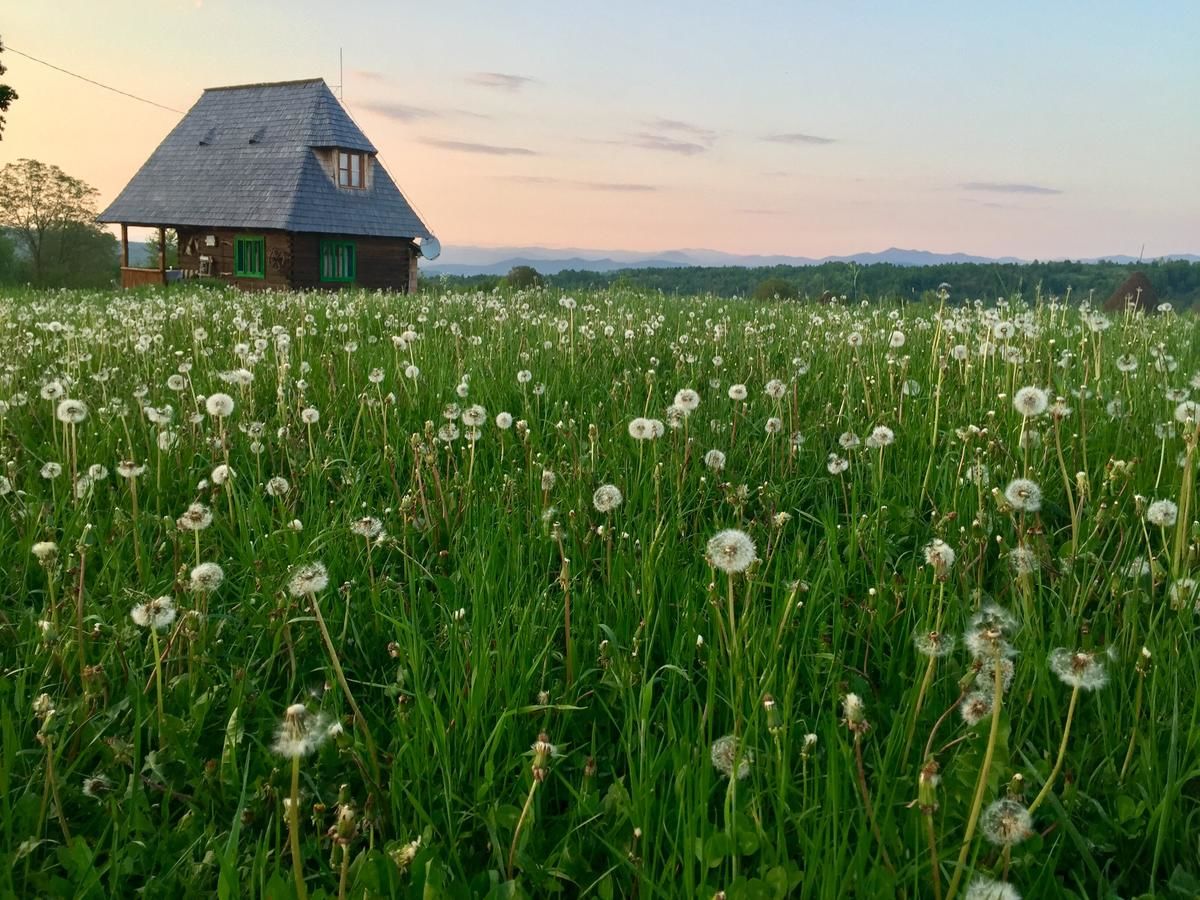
{"type": "Point", "coordinates": [172, 249]}
{"type": "Point", "coordinates": [523, 277]}
{"type": "Point", "coordinates": [775, 289]}
{"type": "Point", "coordinates": [10, 265]}
{"type": "Point", "coordinates": [81, 255]}
{"type": "Point", "coordinates": [7, 95]}
{"type": "Point", "coordinates": [42, 205]}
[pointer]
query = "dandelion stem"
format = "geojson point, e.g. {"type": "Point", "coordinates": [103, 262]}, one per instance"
{"type": "Point", "coordinates": [79, 616]}
{"type": "Point", "coordinates": [294, 831]}
{"type": "Point", "coordinates": [512, 851]}
{"type": "Point", "coordinates": [158, 682]}
{"type": "Point", "coordinates": [345, 872]}
{"type": "Point", "coordinates": [934, 869]}
{"type": "Point", "coordinates": [52, 779]}
{"type": "Point", "coordinates": [981, 783]}
{"type": "Point", "coordinates": [359, 718]}
{"type": "Point", "coordinates": [1062, 753]}
{"type": "Point", "coordinates": [866, 795]}
{"type": "Point", "coordinates": [1137, 714]}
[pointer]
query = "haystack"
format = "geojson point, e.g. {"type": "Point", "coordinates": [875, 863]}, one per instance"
{"type": "Point", "coordinates": [1135, 290]}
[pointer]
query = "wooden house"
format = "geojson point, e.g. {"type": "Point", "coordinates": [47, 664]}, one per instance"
{"type": "Point", "coordinates": [272, 186]}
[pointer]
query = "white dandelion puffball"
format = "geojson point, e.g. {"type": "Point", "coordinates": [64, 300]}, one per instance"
{"type": "Point", "coordinates": [72, 412]}
{"type": "Point", "coordinates": [715, 460]}
{"type": "Point", "coordinates": [1006, 822]}
{"type": "Point", "coordinates": [219, 405]}
{"type": "Point", "coordinates": [157, 614]}
{"type": "Point", "coordinates": [207, 577]}
{"type": "Point", "coordinates": [1030, 402]}
{"type": "Point", "coordinates": [725, 757]}
{"type": "Point", "coordinates": [836, 464]}
{"type": "Point", "coordinates": [197, 517]}
{"type": "Point", "coordinates": [300, 733]}
{"type": "Point", "coordinates": [309, 578]}
{"type": "Point", "coordinates": [1078, 668]}
{"type": "Point", "coordinates": [737, 392]}
{"type": "Point", "coordinates": [45, 551]}
{"type": "Point", "coordinates": [939, 554]}
{"type": "Point", "coordinates": [1162, 513]}
{"type": "Point", "coordinates": [1024, 494]}
{"type": "Point", "coordinates": [730, 551]}
{"type": "Point", "coordinates": [310, 416]}
{"type": "Point", "coordinates": [1187, 411]}
{"type": "Point", "coordinates": [881, 436]}
{"type": "Point", "coordinates": [687, 400]}
{"type": "Point", "coordinates": [984, 888]}
{"type": "Point", "coordinates": [607, 498]}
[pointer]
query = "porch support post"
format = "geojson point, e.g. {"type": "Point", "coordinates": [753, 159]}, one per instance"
{"type": "Point", "coordinates": [162, 252]}
{"type": "Point", "coordinates": [124, 246]}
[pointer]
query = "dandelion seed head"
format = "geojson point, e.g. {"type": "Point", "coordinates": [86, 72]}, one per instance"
{"type": "Point", "coordinates": [1078, 668]}
{"type": "Point", "coordinates": [219, 406]}
{"type": "Point", "coordinates": [731, 551]}
{"type": "Point", "coordinates": [940, 555]}
{"type": "Point", "coordinates": [196, 517]}
{"type": "Point", "coordinates": [300, 733]}
{"type": "Point", "coordinates": [607, 498]}
{"type": "Point", "coordinates": [1030, 401]}
{"type": "Point", "coordinates": [687, 400]}
{"type": "Point", "coordinates": [725, 756]}
{"type": "Point", "coordinates": [71, 412]}
{"type": "Point", "coordinates": [1162, 513]}
{"type": "Point", "coordinates": [309, 578]}
{"type": "Point", "coordinates": [976, 707]}
{"type": "Point", "coordinates": [983, 888]}
{"type": "Point", "coordinates": [206, 578]}
{"type": "Point", "coordinates": [157, 614]}
{"type": "Point", "coordinates": [1023, 494]}
{"type": "Point", "coordinates": [1006, 822]}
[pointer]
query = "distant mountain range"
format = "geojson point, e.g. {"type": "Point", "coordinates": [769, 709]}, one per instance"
{"type": "Point", "coordinates": [467, 260]}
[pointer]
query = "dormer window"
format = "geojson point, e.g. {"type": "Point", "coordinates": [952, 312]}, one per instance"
{"type": "Point", "coordinates": [351, 169]}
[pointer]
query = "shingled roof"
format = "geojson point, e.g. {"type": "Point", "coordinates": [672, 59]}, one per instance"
{"type": "Point", "coordinates": [243, 157]}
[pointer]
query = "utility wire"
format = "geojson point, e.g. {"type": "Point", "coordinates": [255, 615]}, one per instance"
{"type": "Point", "coordinates": [106, 87]}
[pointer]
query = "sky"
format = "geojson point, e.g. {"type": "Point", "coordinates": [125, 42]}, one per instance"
{"type": "Point", "coordinates": [1034, 129]}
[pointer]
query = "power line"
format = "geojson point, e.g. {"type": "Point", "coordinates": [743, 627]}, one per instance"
{"type": "Point", "coordinates": [106, 87]}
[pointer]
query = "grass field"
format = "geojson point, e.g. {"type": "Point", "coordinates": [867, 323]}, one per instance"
{"type": "Point", "coordinates": [483, 595]}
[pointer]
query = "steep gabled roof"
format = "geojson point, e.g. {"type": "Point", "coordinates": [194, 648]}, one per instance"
{"type": "Point", "coordinates": [244, 157]}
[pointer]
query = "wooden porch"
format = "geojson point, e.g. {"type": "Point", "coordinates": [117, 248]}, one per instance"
{"type": "Point", "coordinates": [132, 277]}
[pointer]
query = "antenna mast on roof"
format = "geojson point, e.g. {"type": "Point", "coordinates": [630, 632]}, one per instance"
{"type": "Point", "coordinates": [341, 77]}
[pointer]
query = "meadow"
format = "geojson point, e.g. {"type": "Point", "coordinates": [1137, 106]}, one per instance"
{"type": "Point", "coordinates": [610, 595]}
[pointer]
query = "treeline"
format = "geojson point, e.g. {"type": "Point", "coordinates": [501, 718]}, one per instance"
{"type": "Point", "coordinates": [48, 231]}
{"type": "Point", "coordinates": [1175, 281]}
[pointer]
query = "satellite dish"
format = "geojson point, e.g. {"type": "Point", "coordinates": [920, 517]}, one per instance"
{"type": "Point", "coordinates": [431, 248]}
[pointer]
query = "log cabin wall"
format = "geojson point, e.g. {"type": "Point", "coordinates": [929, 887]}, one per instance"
{"type": "Point", "coordinates": [380, 263]}
{"type": "Point", "coordinates": [294, 260]}
{"type": "Point", "coordinates": [193, 244]}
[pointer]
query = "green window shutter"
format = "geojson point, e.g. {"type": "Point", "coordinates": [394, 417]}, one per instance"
{"type": "Point", "coordinates": [338, 261]}
{"type": "Point", "coordinates": [250, 257]}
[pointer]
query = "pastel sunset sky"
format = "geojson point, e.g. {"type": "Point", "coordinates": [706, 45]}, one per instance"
{"type": "Point", "coordinates": [1034, 129]}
